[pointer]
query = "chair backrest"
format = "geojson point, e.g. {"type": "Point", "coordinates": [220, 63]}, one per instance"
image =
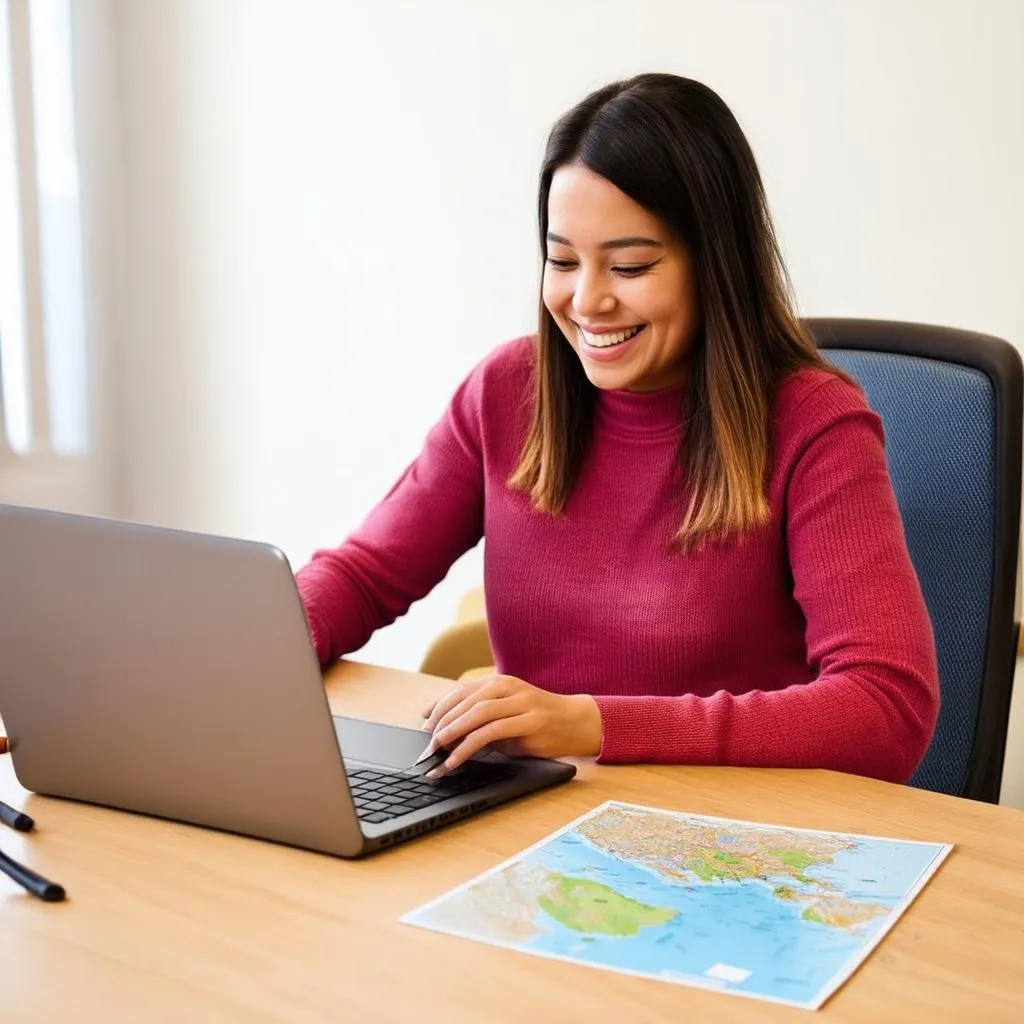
{"type": "Point", "coordinates": [950, 403]}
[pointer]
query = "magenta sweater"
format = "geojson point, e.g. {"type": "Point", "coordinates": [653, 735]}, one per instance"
{"type": "Point", "coordinates": [807, 644]}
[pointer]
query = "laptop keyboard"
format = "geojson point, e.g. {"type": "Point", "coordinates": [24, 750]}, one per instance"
{"type": "Point", "coordinates": [380, 796]}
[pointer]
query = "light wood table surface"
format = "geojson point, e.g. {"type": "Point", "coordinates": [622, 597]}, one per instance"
{"type": "Point", "coordinates": [167, 922]}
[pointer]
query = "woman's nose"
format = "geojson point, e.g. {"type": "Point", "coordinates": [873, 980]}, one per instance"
{"type": "Point", "coordinates": [591, 296]}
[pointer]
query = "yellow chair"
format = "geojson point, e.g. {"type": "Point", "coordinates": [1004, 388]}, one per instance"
{"type": "Point", "coordinates": [463, 650]}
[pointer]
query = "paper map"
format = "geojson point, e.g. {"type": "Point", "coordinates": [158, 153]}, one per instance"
{"type": "Point", "coordinates": [777, 913]}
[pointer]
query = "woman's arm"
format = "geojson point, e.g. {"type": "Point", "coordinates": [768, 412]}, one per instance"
{"type": "Point", "coordinates": [872, 708]}
{"type": "Point", "coordinates": [404, 548]}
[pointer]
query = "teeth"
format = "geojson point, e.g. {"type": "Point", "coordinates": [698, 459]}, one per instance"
{"type": "Point", "coordinates": [607, 340]}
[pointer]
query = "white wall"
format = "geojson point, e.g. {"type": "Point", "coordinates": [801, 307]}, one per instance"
{"type": "Point", "coordinates": [330, 214]}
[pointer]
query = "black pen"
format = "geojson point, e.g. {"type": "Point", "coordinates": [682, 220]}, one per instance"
{"type": "Point", "coordinates": [48, 891]}
{"type": "Point", "coordinates": [17, 820]}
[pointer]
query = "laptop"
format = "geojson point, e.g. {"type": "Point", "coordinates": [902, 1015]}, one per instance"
{"type": "Point", "coordinates": [171, 673]}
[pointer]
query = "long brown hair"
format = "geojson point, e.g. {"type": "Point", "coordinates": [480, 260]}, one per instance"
{"type": "Point", "coordinates": [673, 146]}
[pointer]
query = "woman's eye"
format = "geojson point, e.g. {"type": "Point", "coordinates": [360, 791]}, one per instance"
{"type": "Point", "coordinates": [634, 270]}
{"type": "Point", "coordinates": [629, 270]}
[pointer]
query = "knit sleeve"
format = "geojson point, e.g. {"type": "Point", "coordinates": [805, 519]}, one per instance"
{"type": "Point", "coordinates": [406, 545]}
{"type": "Point", "coordinates": [872, 706]}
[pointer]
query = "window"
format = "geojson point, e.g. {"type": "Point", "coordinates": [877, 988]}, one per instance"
{"type": "Point", "coordinates": [43, 371]}
{"type": "Point", "coordinates": [13, 355]}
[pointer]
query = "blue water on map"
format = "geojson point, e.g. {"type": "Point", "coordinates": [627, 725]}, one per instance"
{"type": "Point", "coordinates": [739, 924]}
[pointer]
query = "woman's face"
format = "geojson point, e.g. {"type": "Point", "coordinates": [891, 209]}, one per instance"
{"type": "Point", "coordinates": [618, 284]}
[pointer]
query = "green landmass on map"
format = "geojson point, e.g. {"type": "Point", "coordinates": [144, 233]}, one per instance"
{"type": "Point", "coordinates": [798, 860]}
{"type": "Point", "coordinates": [523, 900]}
{"type": "Point", "coordinates": [778, 857]}
{"type": "Point", "coordinates": [586, 906]}
{"type": "Point", "coordinates": [765, 911]}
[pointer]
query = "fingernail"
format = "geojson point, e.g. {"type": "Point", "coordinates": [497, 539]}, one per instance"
{"type": "Point", "coordinates": [435, 773]}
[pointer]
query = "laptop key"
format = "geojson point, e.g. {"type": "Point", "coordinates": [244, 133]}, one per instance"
{"type": "Point", "coordinates": [399, 809]}
{"type": "Point", "coordinates": [454, 787]}
{"type": "Point", "coordinates": [420, 791]}
{"type": "Point", "coordinates": [406, 786]}
{"type": "Point", "coordinates": [416, 802]}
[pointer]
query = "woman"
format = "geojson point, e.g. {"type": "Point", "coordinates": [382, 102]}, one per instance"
{"type": "Point", "coordinates": [693, 553]}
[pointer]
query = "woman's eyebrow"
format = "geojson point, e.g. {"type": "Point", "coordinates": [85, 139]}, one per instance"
{"type": "Point", "coordinates": [631, 242]}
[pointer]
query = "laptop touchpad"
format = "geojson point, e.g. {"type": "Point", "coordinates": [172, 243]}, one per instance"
{"type": "Point", "coordinates": [387, 745]}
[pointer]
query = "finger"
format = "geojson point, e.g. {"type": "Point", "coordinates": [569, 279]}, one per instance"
{"type": "Point", "coordinates": [496, 689]}
{"type": "Point", "coordinates": [463, 687]}
{"type": "Point", "coordinates": [429, 709]}
{"type": "Point", "coordinates": [466, 717]}
{"type": "Point", "coordinates": [443, 704]}
{"type": "Point", "coordinates": [4, 745]}
{"type": "Point", "coordinates": [495, 731]}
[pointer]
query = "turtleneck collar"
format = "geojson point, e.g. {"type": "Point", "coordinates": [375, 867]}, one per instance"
{"type": "Point", "coordinates": [643, 415]}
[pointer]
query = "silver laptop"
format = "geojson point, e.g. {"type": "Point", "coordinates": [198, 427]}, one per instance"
{"type": "Point", "coordinates": [172, 674]}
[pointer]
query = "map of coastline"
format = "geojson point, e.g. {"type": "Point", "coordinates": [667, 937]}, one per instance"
{"type": "Point", "coordinates": [711, 852]}
{"type": "Point", "coordinates": [782, 913]}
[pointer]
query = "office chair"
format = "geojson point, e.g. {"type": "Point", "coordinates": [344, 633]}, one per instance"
{"type": "Point", "coordinates": [950, 402]}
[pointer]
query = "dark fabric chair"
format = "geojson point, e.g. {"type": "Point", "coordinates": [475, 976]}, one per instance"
{"type": "Point", "coordinates": [950, 402]}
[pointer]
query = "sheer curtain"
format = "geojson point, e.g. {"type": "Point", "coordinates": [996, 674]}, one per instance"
{"type": "Point", "coordinates": [44, 380]}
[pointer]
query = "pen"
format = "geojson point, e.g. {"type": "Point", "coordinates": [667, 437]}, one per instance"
{"type": "Point", "coordinates": [16, 819]}
{"type": "Point", "coordinates": [49, 892]}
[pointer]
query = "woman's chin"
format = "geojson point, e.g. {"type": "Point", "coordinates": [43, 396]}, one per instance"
{"type": "Point", "coordinates": [607, 378]}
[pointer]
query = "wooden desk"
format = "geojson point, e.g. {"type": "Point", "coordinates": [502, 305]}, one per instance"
{"type": "Point", "coordinates": [170, 922]}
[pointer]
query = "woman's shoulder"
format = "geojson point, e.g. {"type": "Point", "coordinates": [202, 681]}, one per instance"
{"type": "Point", "coordinates": [815, 404]}
{"type": "Point", "coordinates": [494, 394]}
{"type": "Point", "coordinates": [508, 362]}
{"type": "Point", "coordinates": [815, 395]}
{"type": "Point", "coordinates": [504, 372]}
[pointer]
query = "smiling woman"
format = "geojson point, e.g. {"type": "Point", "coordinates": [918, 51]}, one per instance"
{"type": "Point", "coordinates": [693, 550]}
{"type": "Point", "coordinates": [628, 303]}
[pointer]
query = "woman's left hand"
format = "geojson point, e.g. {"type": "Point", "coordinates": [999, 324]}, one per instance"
{"type": "Point", "coordinates": [515, 717]}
